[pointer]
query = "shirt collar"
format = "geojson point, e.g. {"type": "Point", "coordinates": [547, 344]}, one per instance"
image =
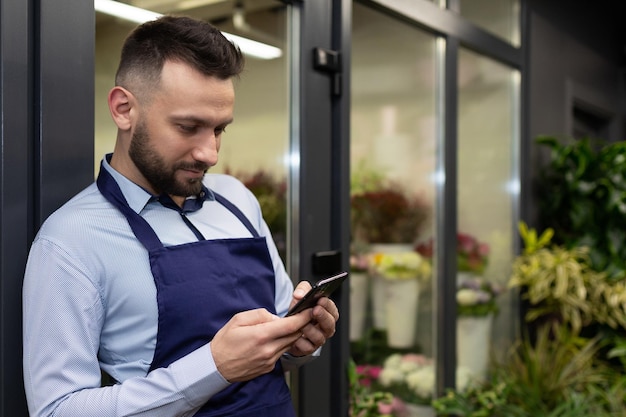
{"type": "Point", "coordinates": [137, 197]}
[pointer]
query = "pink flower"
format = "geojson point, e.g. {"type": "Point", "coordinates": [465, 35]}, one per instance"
{"type": "Point", "coordinates": [399, 407]}
{"type": "Point", "coordinates": [368, 373]}
{"type": "Point", "coordinates": [465, 243]}
{"type": "Point", "coordinates": [483, 249]}
{"type": "Point", "coordinates": [415, 358]}
{"type": "Point", "coordinates": [425, 249]}
{"type": "Point", "coordinates": [384, 408]}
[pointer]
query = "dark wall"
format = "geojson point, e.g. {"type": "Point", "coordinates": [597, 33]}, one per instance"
{"type": "Point", "coordinates": [576, 73]}
{"type": "Point", "coordinates": [46, 145]}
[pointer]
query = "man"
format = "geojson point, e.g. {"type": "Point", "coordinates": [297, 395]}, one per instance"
{"type": "Point", "coordinates": [163, 277]}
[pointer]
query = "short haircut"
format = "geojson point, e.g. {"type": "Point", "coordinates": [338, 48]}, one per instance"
{"type": "Point", "coordinates": [180, 39]}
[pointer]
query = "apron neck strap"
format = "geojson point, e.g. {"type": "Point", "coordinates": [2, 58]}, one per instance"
{"type": "Point", "coordinates": [233, 209]}
{"type": "Point", "coordinates": [111, 191]}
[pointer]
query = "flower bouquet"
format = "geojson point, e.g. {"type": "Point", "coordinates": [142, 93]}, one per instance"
{"type": "Point", "coordinates": [365, 400]}
{"type": "Point", "coordinates": [411, 377]}
{"type": "Point", "coordinates": [382, 211]}
{"type": "Point", "coordinates": [471, 254]}
{"type": "Point", "coordinates": [271, 193]}
{"type": "Point", "coordinates": [477, 297]}
{"type": "Point", "coordinates": [400, 265]}
{"type": "Point", "coordinates": [476, 306]}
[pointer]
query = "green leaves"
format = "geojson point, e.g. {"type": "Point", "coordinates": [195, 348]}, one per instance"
{"type": "Point", "coordinates": [582, 196]}
{"type": "Point", "coordinates": [532, 243]}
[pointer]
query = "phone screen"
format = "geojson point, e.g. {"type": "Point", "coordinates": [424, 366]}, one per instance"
{"type": "Point", "coordinates": [322, 288]}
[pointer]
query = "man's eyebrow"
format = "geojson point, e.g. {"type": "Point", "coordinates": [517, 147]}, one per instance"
{"type": "Point", "coordinates": [199, 120]}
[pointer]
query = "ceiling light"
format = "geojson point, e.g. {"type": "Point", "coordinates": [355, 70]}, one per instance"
{"type": "Point", "coordinates": [125, 11]}
{"type": "Point", "coordinates": [135, 14]}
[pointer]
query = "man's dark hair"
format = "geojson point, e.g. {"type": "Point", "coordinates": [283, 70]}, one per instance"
{"type": "Point", "coordinates": [180, 39]}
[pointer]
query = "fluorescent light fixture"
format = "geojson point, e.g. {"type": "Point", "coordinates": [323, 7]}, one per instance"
{"type": "Point", "coordinates": [254, 48]}
{"type": "Point", "coordinates": [125, 11]}
{"type": "Point", "coordinates": [135, 14]}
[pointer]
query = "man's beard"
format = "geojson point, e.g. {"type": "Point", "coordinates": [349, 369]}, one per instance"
{"type": "Point", "coordinates": [161, 177]}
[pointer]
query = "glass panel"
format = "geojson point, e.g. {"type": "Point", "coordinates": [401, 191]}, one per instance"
{"type": "Point", "coordinates": [502, 18]}
{"type": "Point", "coordinates": [487, 192]}
{"type": "Point", "coordinates": [254, 147]}
{"type": "Point", "coordinates": [392, 165]}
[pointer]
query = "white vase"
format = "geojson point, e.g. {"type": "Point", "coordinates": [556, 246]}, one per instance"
{"type": "Point", "coordinates": [359, 291]}
{"type": "Point", "coordinates": [379, 284]}
{"type": "Point", "coordinates": [416, 410]}
{"type": "Point", "coordinates": [379, 297]}
{"type": "Point", "coordinates": [401, 312]}
{"type": "Point", "coordinates": [473, 337]}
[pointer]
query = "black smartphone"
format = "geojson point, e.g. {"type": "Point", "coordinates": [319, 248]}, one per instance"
{"type": "Point", "coordinates": [322, 288]}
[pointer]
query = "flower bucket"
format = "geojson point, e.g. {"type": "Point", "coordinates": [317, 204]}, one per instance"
{"type": "Point", "coordinates": [401, 303]}
{"type": "Point", "coordinates": [417, 410]}
{"type": "Point", "coordinates": [378, 286]}
{"type": "Point", "coordinates": [473, 337]}
{"type": "Point", "coordinates": [359, 291]}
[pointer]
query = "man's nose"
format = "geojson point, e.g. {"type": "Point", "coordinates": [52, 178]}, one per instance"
{"type": "Point", "coordinates": [206, 150]}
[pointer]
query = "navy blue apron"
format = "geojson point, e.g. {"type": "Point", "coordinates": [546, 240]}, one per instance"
{"type": "Point", "coordinates": [200, 286]}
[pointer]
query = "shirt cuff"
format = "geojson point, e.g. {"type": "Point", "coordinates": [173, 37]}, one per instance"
{"type": "Point", "coordinates": [197, 376]}
{"type": "Point", "coordinates": [290, 362]}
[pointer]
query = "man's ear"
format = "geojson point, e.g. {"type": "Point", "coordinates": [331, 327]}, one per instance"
{"type": "Point", "coordinates": [121, 101]}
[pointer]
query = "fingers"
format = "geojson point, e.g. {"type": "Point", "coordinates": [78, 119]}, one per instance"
{"type": "Point", "coordinates": [324, 317]}
{"type": "Point", "coordinates": [300, 291]}
{"type": "Point", "coordinates": [252, 342]}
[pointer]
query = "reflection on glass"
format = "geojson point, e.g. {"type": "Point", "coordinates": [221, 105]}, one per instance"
{"type": "Point", "coordinates": [392, 192]}
{"type": "Point", "coordinates": [486, 151]}
{"type": "Point", "coordinates": [502, 18]}
{"type": "Point", "coordinates": [254, 148]}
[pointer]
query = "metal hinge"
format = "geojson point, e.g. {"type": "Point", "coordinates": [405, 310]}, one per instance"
{"type": "Point", "coordinates": [329, 62]}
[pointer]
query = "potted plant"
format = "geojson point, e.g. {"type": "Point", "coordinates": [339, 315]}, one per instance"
{"type": "Point", "coordinates": [557, 375]}
{"type": "Point", "coordinates": [582, 196]}
{"type": "Point", "coordinates": [382, 211]}
{"type": "Point", "coordinates": [271, 192]}
{"type": "Point", "coordinates": [560, 284]}
{"type": "Point", "coordinates": [476, 306]}
{"type": "Point", "coordinates": [395, 295]}
{"type": "Point", "coordinates": [477, 297]}
{"type": "Point", "coordinates": [359, 291]}
{"type": "Point", "coordinates": [472, 255]}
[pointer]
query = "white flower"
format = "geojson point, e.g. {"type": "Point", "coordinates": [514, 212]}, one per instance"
{"type": "Point", "coordinates": [466, 297]}
{"type": "Point", "coordinates": [407, 367]}
{"type": "Point", "coordinates": [393, 361]}
{"type": "Point", "coordinates": [422, 381]}
{"type": "Point", "coordinates": [389, 376]}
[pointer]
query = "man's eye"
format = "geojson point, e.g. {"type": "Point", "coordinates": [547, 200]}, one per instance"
{"type": "Point", "coordinates": [188, 128]}
{"type": "Point", "coordinates": [220, 130]}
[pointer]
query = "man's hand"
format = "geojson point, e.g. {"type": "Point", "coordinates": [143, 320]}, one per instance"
{"type": "Point", "coordinates": [253, 341]}
{"type": "Point", "coordinates": [320, 319]}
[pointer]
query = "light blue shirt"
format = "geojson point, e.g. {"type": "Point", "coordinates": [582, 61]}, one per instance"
{"type": "Point", "coordinates": [90, 302]}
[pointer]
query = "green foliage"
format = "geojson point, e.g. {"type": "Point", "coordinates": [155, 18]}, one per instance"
{"type": "Point", "coordinates": [477, 401]}
{"type": "Point", "coordinates": [582, 196]}
{"type": "Point", "coordinates": [560, 282]}
{"type": "Point", "coordinates": [559, 375]}
{"type": "Point", "coordinates": [554, 280]}
{"type": "Point", "coordinates": [545, 373]}
{"type": "Point", "coordinates": [363, 401]}
{"type": "Point", "coordinates": [532, 242]}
